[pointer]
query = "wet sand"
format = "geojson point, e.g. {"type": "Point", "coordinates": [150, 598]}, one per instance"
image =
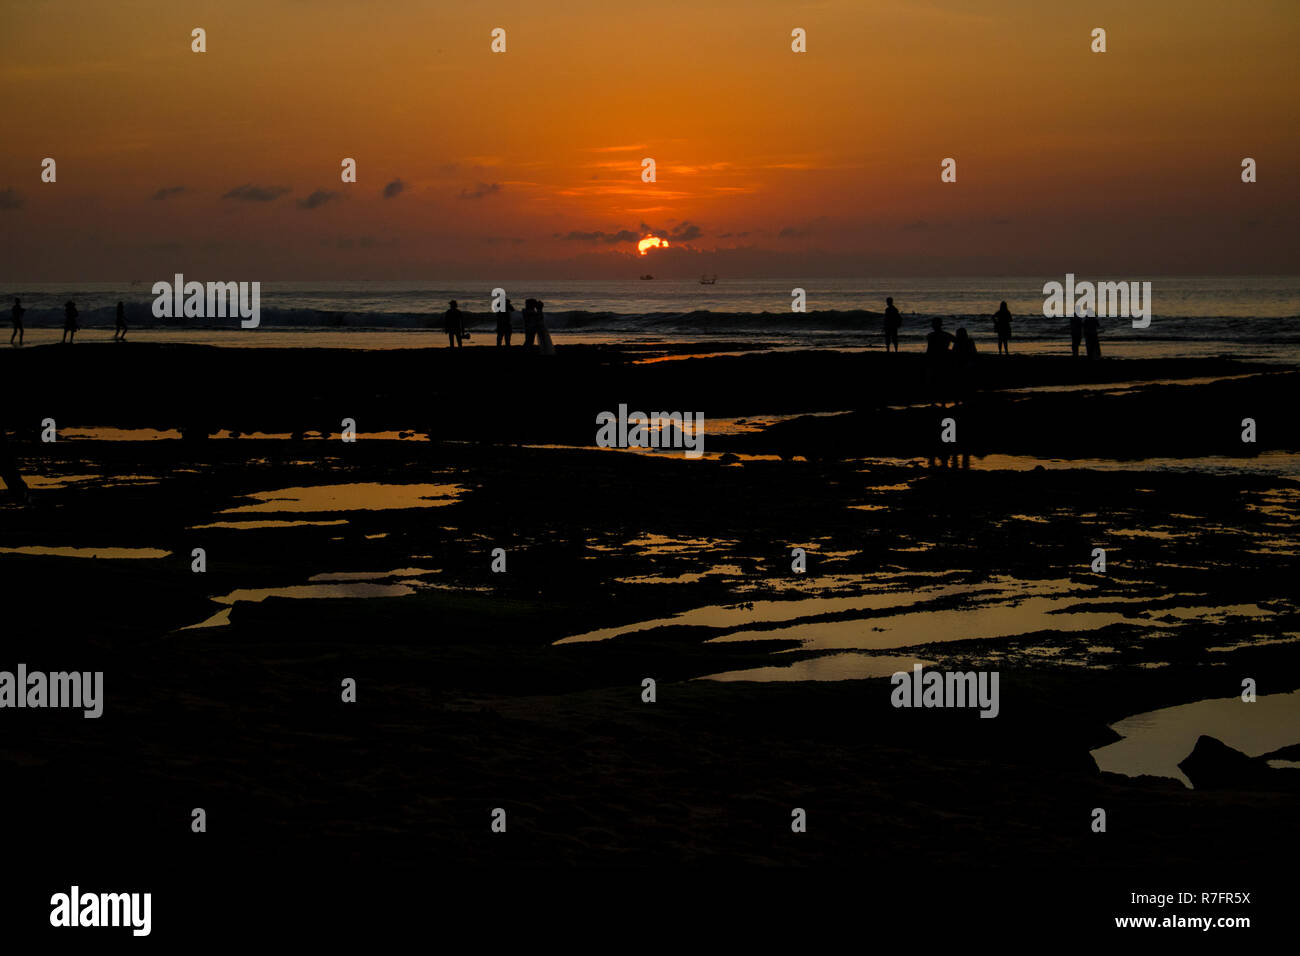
{"type": "Point", "coordinates": [465, 700]}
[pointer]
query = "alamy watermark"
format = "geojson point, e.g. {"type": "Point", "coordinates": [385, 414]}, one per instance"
{"type": "Point", "coordinates": [75, 908]}
{"type": "Point", "coordinates": [946, 689]}
{"type": "Point", "coordinates": [683, 430]}
{"type": "Point", "coordinates": [76, 689]}
{"type": "Point", "coordinates": [1104, 299]}
{"type": "Point", "coordinates": [192, 300]}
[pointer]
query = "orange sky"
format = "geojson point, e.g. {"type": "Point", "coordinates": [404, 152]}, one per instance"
{"type": "Point", "coordinates": [769, 162]}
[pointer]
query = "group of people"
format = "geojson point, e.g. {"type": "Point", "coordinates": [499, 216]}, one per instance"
{"type": "Point", "coordinates": [70, 324]}
{"type": "Point", "coordinates": [950, 359]}
{"type": "Point", "coordinates": [536, 334]}
{"type": "Point", "coordinates": [1083, 327]}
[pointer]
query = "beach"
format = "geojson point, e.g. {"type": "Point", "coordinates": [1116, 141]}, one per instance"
{"type": "Point", "coordinates": [372, 560]}
{"type": "Point", "coordinates": [601, 477]}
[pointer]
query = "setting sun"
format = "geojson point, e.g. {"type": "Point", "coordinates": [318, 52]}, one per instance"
{"type": "Point", "coordinates": [651, 242]}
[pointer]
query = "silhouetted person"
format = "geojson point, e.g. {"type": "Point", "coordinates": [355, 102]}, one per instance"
{"type": "Point", "coordinates": [530, 323]}
{"type": "Point", "coordinates": [69, 322]}
{"type": "Point", "coordinates": [1076, 333]}
{"type": "Point", "coordinates": [1091, 329]}
{"type": "Point", "coordinates": [937, 344]}
{"type": "Point", "coordinates": [454, 326]}
{"type": "Point", "coordinates": [18, 322]}
{"type": "Point", "coordinates": [119, 334]}
{"type": "Point", "coordinates": [893, 321]}
{"type": "Point", "coordinates": [543, 333]}
{"type": "Point", "coordinates": [963, 353]}
{"type": "Point", "coordinates": [504, 320]}
{"type": "Point", "coordinates": [963, 345]}
{"type": "Point", "coordinates": [1002, 326]}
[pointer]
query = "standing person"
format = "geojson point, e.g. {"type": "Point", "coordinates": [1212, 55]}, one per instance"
{"type": "Point", "coordinates": [454, 326]}
{"type": "Point", "coordinates": [937, 344]}
{"type": "Point", "coordinates": [504, 321]}
{"type": "Point", "coordinates": [543, 334]}
{"type": "Point", "coordinates": [530, 322]}
{"type": "Point", "coordinates": [69, 322]}
{"type": "Point", "coordinates": [1091, 329]}
{"type": "Point", "coordinates": [119, 334]}
{"type": "Point", "coordinates": [1002, 326]}
{"type": "Point", "coordinates": [1076, 330]}
{"type": "Point", "coordinates": [18, 322]}
{"type": "Point", "coordinates": [893, 321]}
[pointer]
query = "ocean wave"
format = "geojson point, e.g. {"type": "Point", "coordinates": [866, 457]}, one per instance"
{"type": "Point", "coordinates": [855, 321]}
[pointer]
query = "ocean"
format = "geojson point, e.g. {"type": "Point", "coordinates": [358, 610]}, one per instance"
{"type": "Point", "coordinates": [1192, 316]}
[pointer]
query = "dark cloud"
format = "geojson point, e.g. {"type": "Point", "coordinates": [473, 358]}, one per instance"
{"type": "Point", "coordinates": [481, 190]}
{"type": "Point", "coordinates": [623, 235]}
{"type": "Point", "coordinates": [394, 188]}
{"type": "Point", "coordinates": [167, 192]}
{"type": "Point", "coordinates": [319, 198]}
{"type": "Point", "coordinates": [252, 193]}
{"type": "Point", "coordinates": [684, 231]}
{"type": "Point", "coordinates": [790, 232]}
{"type": "Point", "coordinates": [11, 199]}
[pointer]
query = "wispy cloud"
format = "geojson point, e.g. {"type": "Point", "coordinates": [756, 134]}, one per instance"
{"type": "Point", "coordinates": [639, 190]}
{"type": "Point", "coordinates": [481, 190]}
{"type": "Point", "coordinates": [614, 149]}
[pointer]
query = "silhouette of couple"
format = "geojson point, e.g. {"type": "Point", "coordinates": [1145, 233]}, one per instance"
{"type": "Point", "coordinates": [535, 330]}
{"type": "Point", "coordinates": [950, 363]}
{"type": "Point", "coordinates": [1084, 325]}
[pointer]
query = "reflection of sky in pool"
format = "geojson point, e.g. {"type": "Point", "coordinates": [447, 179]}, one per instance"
{"type": "Point", "coordinates": [1156, 742]}
{"type": "Point", "coordinates": [362, 496]}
